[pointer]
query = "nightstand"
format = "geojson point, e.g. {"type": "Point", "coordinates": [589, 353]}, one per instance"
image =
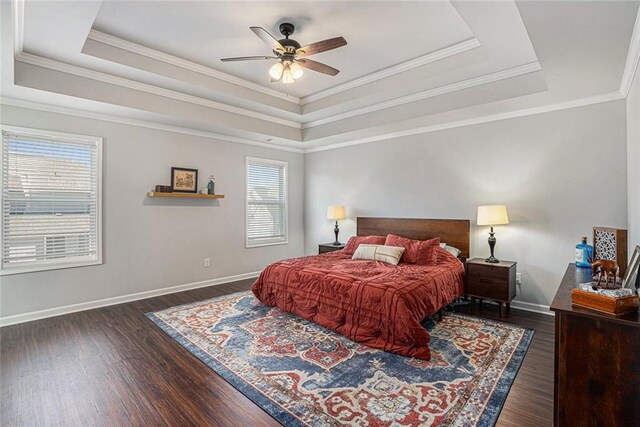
{"type": "Point", "coordinates": [495, 281]}
{"type": "Point", "coordinates": [329, 247]}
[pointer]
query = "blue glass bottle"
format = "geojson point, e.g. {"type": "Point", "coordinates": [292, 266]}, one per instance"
{"type": "Point", "coordinates": [584, 254]}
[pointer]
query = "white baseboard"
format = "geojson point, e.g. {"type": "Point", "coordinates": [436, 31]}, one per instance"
{"type": "Point", "coordinates": [526, 306]}
{"type": "Point", "coordinates": [536, 308]}
{"type": "Point", "coordinates": [58, 311]}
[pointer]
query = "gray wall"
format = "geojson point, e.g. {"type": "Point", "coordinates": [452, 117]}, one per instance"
{"type": "Point", "coordinates": [559, 173]}
{"type": "Point", "coordinates": [156, 243]}
{"type": "Point", "coordinates": [633, 161]}
{"type": "Point", "coordinates": [541, 166]}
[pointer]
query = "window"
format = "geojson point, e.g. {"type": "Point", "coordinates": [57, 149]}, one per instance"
{"type": "Point", "coordinates": [51, 210]}
{"type": "Point", "coordinates": [266, 202]}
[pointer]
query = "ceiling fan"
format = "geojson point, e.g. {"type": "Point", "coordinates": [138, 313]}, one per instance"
{"type": "Point", "coordinates": [291, 56]}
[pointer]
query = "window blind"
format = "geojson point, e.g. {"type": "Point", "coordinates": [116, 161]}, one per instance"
{"type": "Point", "coordinates": [50, 190]}
{"type": "Point", "coordinates": [266, 202]}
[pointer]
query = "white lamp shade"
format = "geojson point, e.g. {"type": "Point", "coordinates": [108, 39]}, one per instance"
{"type": "Point", "coordinates": [492, 215]}
{"type": "Point", "coordinates": [276, 71]}
{"type": "Point", "coordinates": [336, 212]}
{"type": "Point", "coordinates": [287, 76]}
{"type": "Point", "coordinates": [296, 70]}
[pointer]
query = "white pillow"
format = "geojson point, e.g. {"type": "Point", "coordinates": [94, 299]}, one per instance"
{"type": "Point", "coordinates": [388, 254]}
{"type": "Point", "coordinates": [453, 251]}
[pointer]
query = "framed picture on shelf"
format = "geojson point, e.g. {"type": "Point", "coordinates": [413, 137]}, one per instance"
{"type": "Point", "coordinates": [632, 278]}
{"type": "Point", "coordinates": [184, 180]}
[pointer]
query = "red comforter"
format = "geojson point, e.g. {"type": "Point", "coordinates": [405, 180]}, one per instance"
{"type": "Point", "coordinates": [377, 304]}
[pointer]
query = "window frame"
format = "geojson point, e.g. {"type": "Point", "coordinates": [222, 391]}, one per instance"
{"type": "Point", "coordinates": [48, 265]}
{"type": "Point", "coordinates": [285, 165]}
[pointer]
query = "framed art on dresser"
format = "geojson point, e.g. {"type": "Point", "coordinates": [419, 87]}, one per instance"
{"type": "Point", "coordinates": [632, 278]}
{"type": "Point", "coordinates": [611, 244]}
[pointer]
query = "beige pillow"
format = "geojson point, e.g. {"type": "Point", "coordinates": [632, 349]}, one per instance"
{"type": "Point", "coordinates": [388, 254]}
{"type": "Point", "coordinates": [453, 251]}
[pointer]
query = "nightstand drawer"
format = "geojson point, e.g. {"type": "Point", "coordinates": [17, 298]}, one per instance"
{"type": "Point", "coordinates": [488, 288]}
{"type": "Point", "coordinates": [497, 276]}
{"type": "Point", "coordinates": [329, 247]}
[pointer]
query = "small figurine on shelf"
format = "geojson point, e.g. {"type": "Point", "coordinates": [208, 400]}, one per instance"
{"type": "Point", "coordinates": [584, 253]}
{"type": "Point", "coordinates": [211, 187]}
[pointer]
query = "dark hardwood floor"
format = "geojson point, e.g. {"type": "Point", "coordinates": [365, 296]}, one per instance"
{"type": "Point", "coordinates": [111, 366]}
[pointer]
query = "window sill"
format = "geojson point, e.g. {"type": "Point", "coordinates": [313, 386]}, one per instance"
{"type": "Point", "coordinates": [37, 268]}
{"type": "Point", "coordinates": [260, 245]}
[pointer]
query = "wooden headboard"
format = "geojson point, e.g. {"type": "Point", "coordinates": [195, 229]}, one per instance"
{"type": "Point", "coordinates": [453, 232]}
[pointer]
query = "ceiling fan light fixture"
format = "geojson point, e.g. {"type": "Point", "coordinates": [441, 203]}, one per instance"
{"type": "Point", "coordinates": [287, 76]}
{"type": "Point", "coordinates": [288, 52]}
{"type": "Point", "coordinates": [291, 72]}
{"type": "Point", "coordinates": [276, 71]}
{"type": "Point", "coordinates": [296, 70]}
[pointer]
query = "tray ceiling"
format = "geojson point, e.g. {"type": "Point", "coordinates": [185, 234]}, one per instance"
{"type": "Point", "coordinates": [380, 35]}
{"type": "Point", "coordinates": [408, 66]}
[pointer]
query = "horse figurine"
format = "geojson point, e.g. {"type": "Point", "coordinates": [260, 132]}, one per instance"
{"type": "Point", "coordinates": [608, 268]}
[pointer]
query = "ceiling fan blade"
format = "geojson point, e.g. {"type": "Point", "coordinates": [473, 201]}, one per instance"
{"type": "Point", "coordinates": [247, 58]}
{"type": "Point", "coordinates": [322, 46]}
{"type": "Point", "coordinates": [317, 66]}
{"type": "Point", "coordinates": [268, 39]}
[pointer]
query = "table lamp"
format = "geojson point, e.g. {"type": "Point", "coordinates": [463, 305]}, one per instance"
{"type": "Point", "coordinates": [492, 215]}
{"type": "Point", "coordinates": [336, 212]}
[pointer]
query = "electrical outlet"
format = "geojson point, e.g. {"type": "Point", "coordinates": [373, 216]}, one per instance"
{"type": "Point", "coordinates": [518, 278]}
{"type": "Point", "coordinates": [207, 262]}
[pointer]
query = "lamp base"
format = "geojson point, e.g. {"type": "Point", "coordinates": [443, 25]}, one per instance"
{"type": "Point", "coordinates": [492, 245]}
{"type": "Point", "coordinates": [336, 230]}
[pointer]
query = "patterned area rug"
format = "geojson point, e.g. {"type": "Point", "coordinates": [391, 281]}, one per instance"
{"type": "Point", "coordinates": [303, 374]}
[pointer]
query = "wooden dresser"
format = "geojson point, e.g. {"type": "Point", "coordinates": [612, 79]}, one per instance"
{"type": "Point", "coordinates": [597, 362]}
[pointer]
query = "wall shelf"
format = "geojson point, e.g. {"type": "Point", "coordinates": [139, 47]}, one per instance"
{"type": "Point", "coordinates": [185, 195]}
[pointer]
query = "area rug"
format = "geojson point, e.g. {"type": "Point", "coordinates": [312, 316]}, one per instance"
{"type": "Point", "coordinates": [305, 375]}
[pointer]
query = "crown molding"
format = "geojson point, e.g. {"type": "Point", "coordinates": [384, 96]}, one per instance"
{"type": "Point", "coordinates": [131, 84]}
{"type": "Point", "coordinates": [437, 55]}
{"type": "Point", "coordinates": [64, 67]}
{"type": "Point", "coordinates": [128, 46]}
{"type": "Point", "coordinates": [607, 97]}
{"type": "Point", "coordinates": [582, 102]}
{"type": "Point", "coordinates": [441, 90]}
{"type": "Point", "coordinates": [12, 102]}
{"type": "Point", "coordinates": [633, 59]}
{"type": "Point", "coordinates": [17, 10]}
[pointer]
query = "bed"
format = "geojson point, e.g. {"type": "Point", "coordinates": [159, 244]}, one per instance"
{"type": "Point", "coordinates": [374, 303]}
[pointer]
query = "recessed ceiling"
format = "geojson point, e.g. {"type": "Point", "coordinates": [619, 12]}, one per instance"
{"type": "Point", "coordinates": [379, 34]}
{"type": "Point", "coordinates": [408, 67]}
